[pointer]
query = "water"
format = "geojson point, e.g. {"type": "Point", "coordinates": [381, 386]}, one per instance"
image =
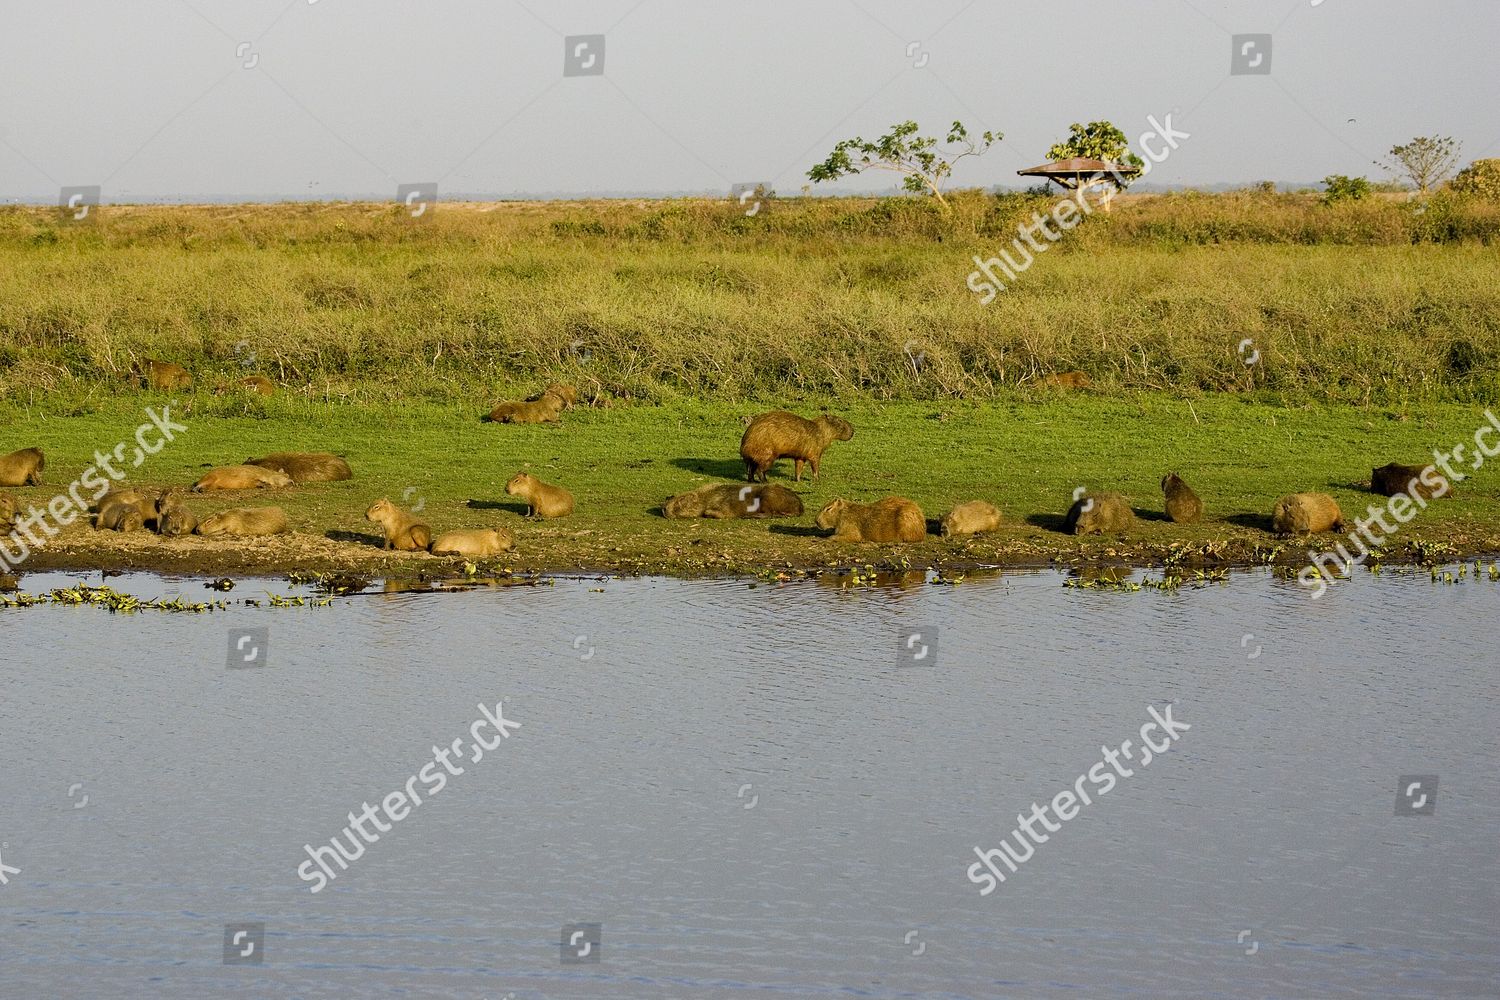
{"type": "Point", "coordinates": [751, 797]}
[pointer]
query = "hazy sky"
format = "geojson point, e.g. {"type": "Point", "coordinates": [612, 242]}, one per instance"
{"type": "Point", "coordinates": [186, 99]}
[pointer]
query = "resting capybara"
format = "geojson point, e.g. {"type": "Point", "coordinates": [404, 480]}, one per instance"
{"type": "Point", "coordinates": [894, 519]}
{"type": "Point", "coordinates": [172, 518]}
{"type": "Point", "coordinates": [474, 544]}
{"type": "Point", "coordinates": [1183, 505]}
{"type": "Point", "coordinates": [242, 477]}
{"type": "Point", "coordinates": [258, 384]}
{"type": "Point", "coordinates": [1098, 514]}
{"type": "Point", "coordinates": [306, 467]}
{"type": "Point", "coordinates": [22, 468]}
{"type": "Point", "coordinates": [1068, 380]}
{"type": "Point", "coordinates": [542, 410]}
{"type": "Point", "coordinates": [7, 513]}
{"type": "Point", "coordinates": [1305, 513]}
{"type": "Point", "coordinates": [542, 499]}
{"type": "Point", "coordinates": [165, 376]}
{"type": "Point", "coordinates": [780, 434]}
{"type": "Point", "coordinates": [245, 521]}
{"type": "Point", "coordinates": [567, 393]}
{"type": "Point", "coordinates": [403, 531]}
{"type": "Point", "coordinates": [970, 519]}
{"type": "Point", "coordinates": [121, 494]}
{"type": "Point", "coordinates": [1418, 481]}
{"type": "Point", "coordinates": [730, 500]}
{"type": "Point", "coordinates": [118, 514]}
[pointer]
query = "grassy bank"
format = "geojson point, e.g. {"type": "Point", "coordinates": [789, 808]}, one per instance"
{"type": "Point", "coordinates": [811, 300]}
{"type": "Point", "coordinates": [1025, 455]}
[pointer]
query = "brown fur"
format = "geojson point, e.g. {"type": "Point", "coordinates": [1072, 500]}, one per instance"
{"type": "Point", "coordinates": [543, 499]}
{"type": "Point", "coordinates": [22, 468]}
{"type": "Point", "coordinates": [1305, 513]}
{"type": "Point", "coordinates": [116, 514]}
{"type": "Point", "coordinates": [121, 494]}
{"type": "Point", "coordinates": [894, 519]}
{"type": "Point", "coordinates": [567, 393]}
{"type": "Point", "coordinates": [780, 434]}
{"type": "Point", "coordinates": [257, 384]}
{"type": "Point", "coordinates": [245, 521]}
{"type": "Point", "coordinates": [1388, 480]}
{"type": "Point", "coordinates": [306, 467]}
{"type": "Point", "coordinates": [1099, 514]}
{"type": "Point", "coordinates": [172, 518]}
{"type": "Point", "coordinates": [1183, 505]}
{"type": "Point", "coordinates": [474, 544]}
{"type": "Point", "coordinates": [164, 376]}
{"type": "Point", "coordinates": [403, 531]}
{"type": "Point", "coordinates": [242, 477]}
{"type": "Point", "coordinates": [970, 519]}
{"type": "Point", "coordinates": [730, 500]}
{"type": "Point", "coordinates": [7, 513]}
{"type": "Point", "coordinates": [1068, 380]}
{"type": "Point", "coordinates": [543, 410]}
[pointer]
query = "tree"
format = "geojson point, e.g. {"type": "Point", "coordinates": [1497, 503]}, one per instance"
{"type": "Point", "coordinates": [1337, 187]}
{"type": "Point", "coordinates": [1425, 161]}
{"type": "Point", "coordinates": [1480, 179]}
{"type": "Point", "coordinates": [923, 166]}
{"type": "Point", "coordinates": [1098, 141]}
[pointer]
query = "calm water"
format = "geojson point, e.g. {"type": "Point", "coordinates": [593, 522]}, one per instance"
{"type": "Point", "coordinates": [751, 797]}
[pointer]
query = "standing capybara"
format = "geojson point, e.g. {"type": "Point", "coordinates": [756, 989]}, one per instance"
{"type": "Point", "coordinates": [542, 410]}
{"type": "Point", "coordinates": [164, 376]}
{"type": "Point", "coordinates": [1305, 513]}
{"type": "Point", "coordinates": [970, 519]}
{"type": "Point", "coordinates": [542, 499]}
{"type": "Point", "coordinates": [730, 500]}
{"type": "Point", "coordinates": [1418, 481]}
{"type": "Point", "coordinates": [1098, 514]}
{"type": "Point", "coordinates": [1068, 380]}
{"type": "Point", "coordinates": [1183, 505]}
{"type": "Point", "coordinates": [116, 513]}
{"type": "Point", "coordinates": [780, 434]}
{"type": "Point", "coordinates": [894, 519]}
{"type": "Point", "coordinates": [403, 531]}
{"type": "Point", "coordinates": [474, 544]}
{"type": "Point", "coordinates": [306, 467]}
{"type": "Point", "coordinates": [246, 521]}
{"type": "Point", "coordinates": [242, 477]}
{"type": "Point", "coordinates": [567, 393]}
{"type": "Point", "coordinates": [257, 384]}
{"type": "Point", "coordinates": [172, 518]}
{"type": "Point", "coordinates": [22, 468]}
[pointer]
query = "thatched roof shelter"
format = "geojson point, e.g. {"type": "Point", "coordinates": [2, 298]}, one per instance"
{"type": "Point", "coordinates": [1080, 171]}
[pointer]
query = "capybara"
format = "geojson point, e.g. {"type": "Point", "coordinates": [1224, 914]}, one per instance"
{"type": "Point", "coordinates": [306, 467]}
{"type": "Point", "coordinates": [1068, 380]}
{"type": "Point", "coordinates": [970, 519]}
{"type": "Point", "coordinates": [542, 410]}
{"type": "Point", "coordinates": [120, 494]}
{"type": "Point", "coordinates": [1418, 481]}
{"type": "Point", "coordinates": [894, 519]}
{"type": "Point", "coordinates": [165, 376]}
{"type": "Point", "coordinates": [730, 500]}
{"type": "Point", "coordinates": [172, 518]}
{"type": "Point", "coordinates": [1305, 513]}
{"type": "Point", "coordinates": [1183, 505]}
{"type": "Point", "coordinates": [245, 521]}
{"type": "Point", "coordinates": [1098, 514]}
{"type": "Point", "coordinates": [116, 514]}
{"type": "Point", "coordinates": [542, 499]}
{"type": "Point", "coordinates": [780, 434]}
{"type": "Point", "coordinates": [567, 393]}
{"type": "Point", "coordinates": [474, 544]}
{"type": "Point", "coordinates": [22, 468]}
{"type": "Point", "coordinates": [403, 531]}
{"type": "Point", "coordinates": [7, 513]}
{"type": "Point", "coordinates": [242, 477]}
{"type": "Point", "coordinates": [258, 384]}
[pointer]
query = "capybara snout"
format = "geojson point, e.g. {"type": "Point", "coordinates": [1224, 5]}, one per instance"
{"type": "Point", "coordinates": [22, 468]}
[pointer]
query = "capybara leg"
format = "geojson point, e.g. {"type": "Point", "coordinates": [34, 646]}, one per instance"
{"type": "Point", "coordinates": [751, 469]}
{"type": "Point", "coordinates": [814, 463]}
{"type": "Point", "coordinates": [798, 463]}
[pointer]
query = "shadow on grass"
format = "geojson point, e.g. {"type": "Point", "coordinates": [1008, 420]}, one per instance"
{"type": "Point", "coordinates": [514, 506]}
{"type": "Point", "coordinates": [358, 537]}
{"type": "Point", "coordinates": [799, 530]}
{"type": "Point", "coordinates": [1260, 522]}
{"type": "Point", "coordinates": [1150, 515]}
{"type": "Point", "coordinates": [721, 467]}
{"type": "Point", "coordinates": [1050, 522]}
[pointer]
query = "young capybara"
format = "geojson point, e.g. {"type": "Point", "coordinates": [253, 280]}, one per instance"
{"type": "Point", "coordinates": [567, 393]}
{"type": "Point", "coordinates": [1418, 481]}
{"type": "Point", "coordinates": [1068, 380]}
{"type": "Point", "coordinates": [164, 376]}
{"type": "Point", "coordinates": [542, 410]}
{"type": "Point", "coordinates": [542, 499]}
{"type": "Point", "coordinates": [257, 384]}
{"type": "Point", "coordinates": [306, 467]}
{"type": "Point", "coordinates": [120, 494]}
{"type": "Point", "coordinates": [1183, 505]}
{"type": "Point", "coordinates": [730, 500]}
{"type": "Point", "coordinates": [403, 531]}
{"type": "Point", "coordinates": [475, 544]}
{"type": "Point", "coordinates": [118, 514]}
{"type": "Point", "coordinates": [22, 468]}
{"type": "Point", "coordinates": [1305, 513]}
{"type": "Point", "coordinates": [970, 519]}
{"type": "Point", "coordinates": [242, 477]}
{"type": "Point", "coordinates": [172, 518]}
{"type": "Point", "coordinates": [245, 521]}
{"type": "Point", "coordinates": [894, 519]}
{"type": "Point", "coordinates": [1099, 514]}
{"type": "Point", "coordinates": [780, 434]}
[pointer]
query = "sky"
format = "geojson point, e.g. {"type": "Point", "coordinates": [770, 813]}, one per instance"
{"type": "Point", "coordinates": [192, 100]}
